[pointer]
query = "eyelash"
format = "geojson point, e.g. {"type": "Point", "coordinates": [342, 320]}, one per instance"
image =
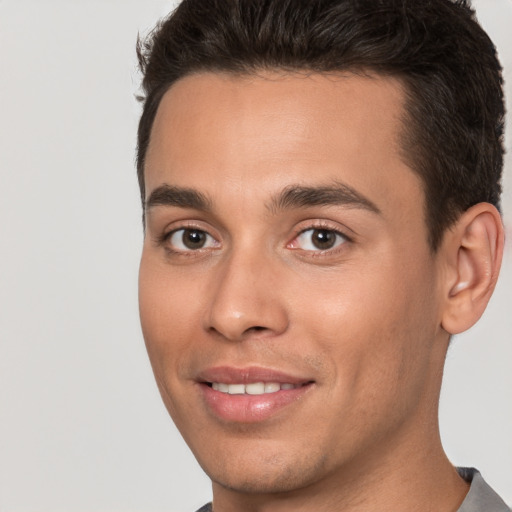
{"type": "Point", "coordinates": [164, 241]}
{"type": "Point", "coordinates": [319, 253]}
{"type": "Point", "coordinates": [165, 238]}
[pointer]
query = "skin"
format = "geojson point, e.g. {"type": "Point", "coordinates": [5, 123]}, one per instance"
{"type": "Point", "coordinates": [363, 320]}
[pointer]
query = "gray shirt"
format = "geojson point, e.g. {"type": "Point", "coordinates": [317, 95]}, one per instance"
{"type": "Point", "coordinates": [480, 498]}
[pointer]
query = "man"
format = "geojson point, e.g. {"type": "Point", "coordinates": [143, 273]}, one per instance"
{"type": "Point", "coordinates": [321, 184]}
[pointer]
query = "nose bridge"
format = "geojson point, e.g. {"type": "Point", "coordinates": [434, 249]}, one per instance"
{"type": "Point", "coordinates": [245, 297]}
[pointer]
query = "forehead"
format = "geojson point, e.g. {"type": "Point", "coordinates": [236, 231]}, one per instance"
{"type": "Point", "coordinates": [252, 134]}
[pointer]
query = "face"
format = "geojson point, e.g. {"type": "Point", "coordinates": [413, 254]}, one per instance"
{"type": "Point", "coordinates": [288, 295]}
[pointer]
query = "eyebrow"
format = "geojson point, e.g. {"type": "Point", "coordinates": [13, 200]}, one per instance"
{"type": "Point", "coordinates": [337, 194]}
{"type": "Point", "coordinates": [293, 196]}
{"type": "Point", "coordinates": [166, 195]}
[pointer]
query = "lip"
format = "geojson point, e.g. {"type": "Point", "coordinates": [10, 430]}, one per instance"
{"type": "Point", "coordinates": [250, 408]}
{"type": "Point", "coordinates": [232, 375]}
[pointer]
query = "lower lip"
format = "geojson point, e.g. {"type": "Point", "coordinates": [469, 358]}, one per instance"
{"type": "Point", "coordinates": [251, 408]}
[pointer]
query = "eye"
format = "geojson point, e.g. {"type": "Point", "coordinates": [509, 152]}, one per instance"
{"type": "Point", "coordinates": [190, 240]}
{"type": "Point", "coordinates": [318, 239]}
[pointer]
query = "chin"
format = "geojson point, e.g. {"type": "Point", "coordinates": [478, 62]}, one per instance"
{"type": "Point", "coordinates": [283, 482]}
{"type": "Point", "coordinates": [267, 475]}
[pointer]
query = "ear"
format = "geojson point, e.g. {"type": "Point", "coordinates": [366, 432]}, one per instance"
{"type": "Point", "coordinates": [472, 251]}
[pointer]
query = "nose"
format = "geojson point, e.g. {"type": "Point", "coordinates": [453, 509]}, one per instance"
{"type": "Point", "coordinates": [246, 299]}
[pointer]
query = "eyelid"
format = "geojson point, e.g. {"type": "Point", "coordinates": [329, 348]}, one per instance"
{"type": "Point", "coordinates": [320, 225]}
{"type": "Point", "coordinates": [163, 238]}
{"type": "Point", "coordinates": [175, 245]}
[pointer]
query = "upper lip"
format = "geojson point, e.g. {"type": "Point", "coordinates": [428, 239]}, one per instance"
{"type": "Point", "coordinates": [232, 375]}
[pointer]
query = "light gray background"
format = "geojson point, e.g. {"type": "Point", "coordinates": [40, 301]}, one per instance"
{"type": "Point", "coordinates": [81, 423]}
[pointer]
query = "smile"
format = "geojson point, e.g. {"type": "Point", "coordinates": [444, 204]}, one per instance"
{"type": "Point", "coordinates": [251, 395]}
{"type": "Point", "coordinates": [253, 388]}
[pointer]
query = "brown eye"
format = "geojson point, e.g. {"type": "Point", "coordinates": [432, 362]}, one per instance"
{"type": "Point", "coordinates": [193, 239]}
{"type": "Point", "coordinates": [323, 238]}
{"type": "Point", "coordinates": [317, 239]}
{"type": "Point", "coordinates": [190, 240]}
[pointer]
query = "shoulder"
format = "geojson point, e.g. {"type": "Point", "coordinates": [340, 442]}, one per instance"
{"type": "Point", "coordinates": [480, 498]}
{"type": "Point", "coordinates": [206, 508]}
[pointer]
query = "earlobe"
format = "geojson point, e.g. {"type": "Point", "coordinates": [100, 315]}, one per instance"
{"type": "Point", "coordinates": [474, 249]}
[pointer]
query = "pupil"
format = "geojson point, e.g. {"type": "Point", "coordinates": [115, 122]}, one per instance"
{"type": "Point", "coordinates": [193, 239]}
{"type": "Point", "coordinates": [323, 238]}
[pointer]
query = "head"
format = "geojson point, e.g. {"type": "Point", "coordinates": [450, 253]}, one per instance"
{"type": "Point", "coordinates": [454, 110]}
{"type": "Point", "coordinates": [320, 182]}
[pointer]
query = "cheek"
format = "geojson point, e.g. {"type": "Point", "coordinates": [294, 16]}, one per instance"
{"type": "Point", "coordinates": [168, 316]}
{"type": "Point", "coordinates": [167, 310]}
{"type": "Point", "coordinates": [372, 325]}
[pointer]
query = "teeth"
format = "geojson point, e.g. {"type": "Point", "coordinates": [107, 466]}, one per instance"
{"type": "Point", "coordinates": [218, 386]}
{"type": "Point", "coordinates": [258, 388]}
{"type": "Point", "coordinates": [272, 387]}
{"type": "Point", "coordinates": [236, 389]}
{"type": "Point", "coordinates": [254, 388]}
